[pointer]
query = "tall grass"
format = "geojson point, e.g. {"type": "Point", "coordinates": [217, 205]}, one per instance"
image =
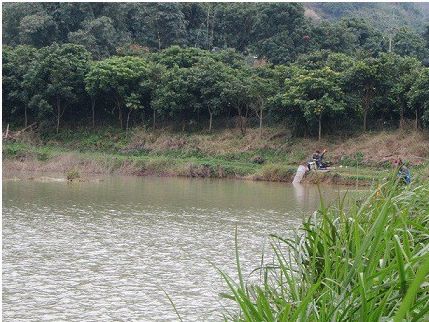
{"type": "Point", "coordinates": [367, 262]}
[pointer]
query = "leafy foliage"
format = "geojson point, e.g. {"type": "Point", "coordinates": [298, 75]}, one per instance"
{"type": "Point", "coordinates": [314, 95]}
{"type": "Point", "coordinates": [201, 62]}
{"type": "Point", "coordinates": [120, 78]}
{"type": "Point", "coordinates": [276, 31]}
{"type": "Point", "coordinates": [419, 96]}
{"type": "Point", "coordinates": [56, 78]}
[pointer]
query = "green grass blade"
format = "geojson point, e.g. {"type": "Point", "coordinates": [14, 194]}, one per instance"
{"type": "Point", "coordinates": [409, 298]}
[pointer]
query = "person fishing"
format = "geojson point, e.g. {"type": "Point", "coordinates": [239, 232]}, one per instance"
{"type": "Point", "coordinates": [318, 158]}
{"type": "Point", "coordinates": [403, 171]}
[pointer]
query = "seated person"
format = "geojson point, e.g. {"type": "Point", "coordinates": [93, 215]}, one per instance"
{"type": "Point", "coordinates": [318, 158]}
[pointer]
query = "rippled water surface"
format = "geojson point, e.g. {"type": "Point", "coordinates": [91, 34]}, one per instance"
{"type": "Point", "coordinates": [106, 250]}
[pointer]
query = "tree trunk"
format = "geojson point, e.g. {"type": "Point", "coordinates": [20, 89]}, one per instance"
{"type": "Point", "coordinates": [260, 123]}
{"type": "Point", "coordinates": [244, 121]}
{"type": "Point", "coordinates": [401, 118]}
{"type": "Point", "coordinates": [243, 125]}
{"type": "Point", "coordinates": [417, 120]}
{"type": "Point", "coordinates": [58, 113]}
{"type": "Point", "coordinates": [211, 119]}
{"type": "Point", "coordinates": [159, 42]}
{"type": "Point", "coordinates": [154, 119]}
{"type": "Point", "coordinates": [183, 125]}
{"type": "Point", "coordinates": [366, 104]}
{"type": "Point", "coordinates": [118, 105]}
{"type": "Point", "coordinates": [390, 43]}
{"type": "Point", "coordinates": [25, 115]}
{"type": "Point", "coordinates": [320, 127]}
{"type": "Point", "coordinates": [93, 111]}
{"type": "Point", "coordinates": [365, 112]}
{"type": "Point", "coordinates": [120, 118]}
{"type": "Point", "coordinates": [213, 21]}
{"type": "Point", "coordinates": [128, 120]}
{"type": "Point", "coordinates": [241, 120]}
{"type": "Point", "coordinates": [208, 34]}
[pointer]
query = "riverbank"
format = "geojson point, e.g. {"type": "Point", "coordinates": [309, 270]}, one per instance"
{"type": "Point", "coordinates": [223, 154]}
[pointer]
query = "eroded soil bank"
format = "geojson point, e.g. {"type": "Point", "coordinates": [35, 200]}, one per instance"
{"type": "Point", "coordinates": [225, 154]}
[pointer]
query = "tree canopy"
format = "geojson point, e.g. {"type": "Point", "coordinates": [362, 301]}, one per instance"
{"type": "Point", "coordinates": [202, 63]}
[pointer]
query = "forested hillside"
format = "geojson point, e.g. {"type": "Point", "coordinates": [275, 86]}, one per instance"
{"type": "Point", "coordinates": [385, 17]}
{"type": "Point", "coordinates": [201, 64]}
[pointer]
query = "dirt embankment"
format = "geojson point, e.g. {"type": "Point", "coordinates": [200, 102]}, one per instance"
{"type": "Point", "coordinates": [379, 148]}
{"type": "Point", "coordinates": [226, 154]}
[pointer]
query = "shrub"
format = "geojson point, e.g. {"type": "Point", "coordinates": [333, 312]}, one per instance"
{"type": "Point", "coordinates": [276, 172]}
{"type": "Point", "coordinates": [72, 175]}
{"type": "Point", "coordinates": [159, 165]}
{"type": "Point", "coordinates": [14, 150]}
{"type": "Point", "coordinates": [353, 161]}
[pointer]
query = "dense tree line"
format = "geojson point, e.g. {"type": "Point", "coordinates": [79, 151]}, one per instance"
{"type": "Point", "coordinates": [189, 84]}
{"type": "Point", "coordinates": [142, 63]}
{"type": "Point", "coordinates": [277, 31]}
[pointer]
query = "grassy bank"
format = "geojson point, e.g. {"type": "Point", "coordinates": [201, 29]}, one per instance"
{"type": "Point", "coordinates": [369, 262]}
{"type": "Point", "coordinates": [221, 154]}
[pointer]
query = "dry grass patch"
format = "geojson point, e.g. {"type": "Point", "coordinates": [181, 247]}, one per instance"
{"type": "Point", "coordinates": [411, 146]}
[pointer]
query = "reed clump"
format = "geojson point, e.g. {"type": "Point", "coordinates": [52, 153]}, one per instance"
{"type": "Point", "coordinates": [364, 262]}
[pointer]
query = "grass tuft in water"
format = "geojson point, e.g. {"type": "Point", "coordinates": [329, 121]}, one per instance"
{"type": "Point", "coordinates": [367, 262]}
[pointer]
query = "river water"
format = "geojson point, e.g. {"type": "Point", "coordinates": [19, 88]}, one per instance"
{"type": "Point", "coordinates": [108, 250]}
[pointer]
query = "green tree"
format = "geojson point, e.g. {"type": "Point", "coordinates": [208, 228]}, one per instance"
{"type": "Point", "coordinates": [419, 97]}
{"type": "Point", "coordinates": [262, 89]}
{"type": "Point", "coordinates": [68, 16]}
{"type": "Point", "coordinates": [237, 93]}
{"type": "Point", "coordinates": [316, 94]}
{"type": "Point", "coordinates": [133, 103]}
{"type": "Point", "coordinates": [98, 36]}
{"type": "Point", "coordinates": [16, 63]}
{"type": "Point", "coordinates": [173, 97]}
{"type": "Point", "coordinates": [12, 14]}
{"type": "Point", "coordinates": [149, 85]}
{"type": "Point", "coordinates": [280, 32]}
{"type": "Point", "coordinates": [334, 37]}
{"type": "Point", "coordinates": [399, 74]}
{"type": "Point", "coordinates": [93, 88]}
{"type": "Point", "coordinates": [408, 43]}
{"type": "Point", "coordinates": [117, 77]}
{"type": "Point", "coordinates": [207, 81]}
{"type": "Point", "coordinates": [362, 81]}
{"type": "Point", "coordinates": [57, 75]}
{"type": "Point", "coordinates": [235, 25]}
{"type": "Point", "coordinates": [38, 30]}
{"type": "Point", "coordinates": [325, 58]}
{"type": "Point", "coordinates": [180, 57]}
{"type": "Point", "coordinates": [166, 24]}
{"type": "Point", "coordinates": [368, 39]}
{"type": "Point", "coordinates": [196, 23]}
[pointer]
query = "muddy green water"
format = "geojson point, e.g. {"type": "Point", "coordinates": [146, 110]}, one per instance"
{"type": "Point", "coordinates": [105, 251]}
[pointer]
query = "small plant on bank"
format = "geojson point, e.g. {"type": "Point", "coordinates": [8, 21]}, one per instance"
{"type": "Point", "coordinates": [72, 175]}
{"type": "Point", "coordinates": [14, 150]}
{"type": "Point", "coordinates": [356, 159]}
{"type": "Point", "coordinates": [276, 172]}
